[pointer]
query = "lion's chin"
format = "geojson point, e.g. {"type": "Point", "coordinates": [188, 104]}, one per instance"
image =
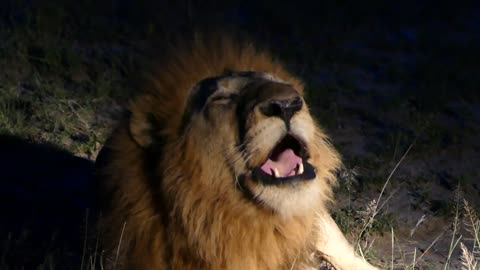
{"type": "Point", "coordinates": [295, 198]}
{"type": "Point", "coordinates": [283, 180]}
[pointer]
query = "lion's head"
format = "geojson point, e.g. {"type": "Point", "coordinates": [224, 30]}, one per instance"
{"type": "Point", "coordinates": [246, 132]}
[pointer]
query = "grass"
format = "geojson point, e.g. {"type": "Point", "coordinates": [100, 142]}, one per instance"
{"type": "Point", "coordinates": [464, 216]}
{"type": "Point", "coordinates": [470, 257]}
{"type": "Point", "coordinates": [48, 94]}
{"type": "Point", "coordinates": [54, 117]}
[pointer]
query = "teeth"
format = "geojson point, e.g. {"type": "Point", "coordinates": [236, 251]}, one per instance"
{"type": "Point", "coordinates": [300, 168]}
{"type": "Point", "coordinates": [276, 173]}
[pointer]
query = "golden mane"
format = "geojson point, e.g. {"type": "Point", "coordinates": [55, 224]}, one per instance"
{"type": "Point", "coordinates": [169, 207]}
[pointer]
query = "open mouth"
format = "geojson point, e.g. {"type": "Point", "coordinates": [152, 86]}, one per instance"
{"type": "Point", "coordinates": [285, 164]}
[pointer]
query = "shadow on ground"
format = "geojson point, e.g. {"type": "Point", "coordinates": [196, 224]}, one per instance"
{"type": "Point", "coordinates": [44, 196]}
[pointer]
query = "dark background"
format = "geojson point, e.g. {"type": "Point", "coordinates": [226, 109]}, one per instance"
{"type": "Point", "coordinates": [380, 77]}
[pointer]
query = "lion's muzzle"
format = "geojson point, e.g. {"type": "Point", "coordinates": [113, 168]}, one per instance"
{"type": "Point", "coordinates": [264, 103]}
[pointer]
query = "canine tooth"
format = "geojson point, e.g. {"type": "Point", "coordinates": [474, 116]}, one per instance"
{"type": "Point", "coordinates": [276, 172]}
{"type": "Point", "coordinates": [300, 168]}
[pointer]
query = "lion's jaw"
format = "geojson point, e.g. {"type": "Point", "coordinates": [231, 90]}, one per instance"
{"type": "Point", "coordinates": [286, 192]}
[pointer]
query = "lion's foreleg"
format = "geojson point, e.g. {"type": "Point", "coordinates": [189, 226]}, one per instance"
{"type": "Point", "coordinates": [333, 245]}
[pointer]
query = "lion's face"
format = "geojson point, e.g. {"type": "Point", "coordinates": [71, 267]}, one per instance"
{"type": "Point", "coordinates": [256, 130]}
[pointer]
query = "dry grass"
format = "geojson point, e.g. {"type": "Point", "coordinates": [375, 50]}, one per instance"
{"type": "Point", "coordinates": [470, 257]}
{"type": "Point", "coordinates": [465, 235]}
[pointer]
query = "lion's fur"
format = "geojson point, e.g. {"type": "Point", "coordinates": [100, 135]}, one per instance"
{"type": "Point", "coordinates": [164, 206]}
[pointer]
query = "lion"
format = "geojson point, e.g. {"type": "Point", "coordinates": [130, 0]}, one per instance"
{"type": "Point", "coordinates": [218, 164]}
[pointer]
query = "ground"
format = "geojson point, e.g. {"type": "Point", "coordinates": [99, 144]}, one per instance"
{"type": "Point", "coordinates": [396, 87]}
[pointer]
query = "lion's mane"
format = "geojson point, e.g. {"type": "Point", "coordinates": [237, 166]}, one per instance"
{"type": "Point", "coordinates": [160, 209]}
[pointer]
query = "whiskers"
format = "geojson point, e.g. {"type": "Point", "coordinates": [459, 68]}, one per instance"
{"type": "Point", "coordinates": [241, 155]}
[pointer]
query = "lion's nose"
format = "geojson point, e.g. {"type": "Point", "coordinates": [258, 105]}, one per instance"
{"type": "Point", "coordinates": [283, 108]}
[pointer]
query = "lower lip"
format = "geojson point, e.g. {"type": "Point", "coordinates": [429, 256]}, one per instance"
{"type": "Point", "coordinates": [260, 176]}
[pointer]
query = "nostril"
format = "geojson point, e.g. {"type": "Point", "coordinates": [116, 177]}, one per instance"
{"type": "Point", "coordinates": [296, 104]}
{"type": "Point", "coordinates": [273, 108]}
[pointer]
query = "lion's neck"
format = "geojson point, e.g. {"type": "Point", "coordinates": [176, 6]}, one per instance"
{"type": "Point", "coordinates": [225, 233]}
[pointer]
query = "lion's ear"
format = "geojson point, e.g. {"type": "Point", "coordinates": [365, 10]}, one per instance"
{"type": "Point", "coordinates": [141, 129]}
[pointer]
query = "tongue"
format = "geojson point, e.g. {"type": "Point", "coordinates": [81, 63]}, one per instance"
{"type": "Point", "coordinates": [286, 163]}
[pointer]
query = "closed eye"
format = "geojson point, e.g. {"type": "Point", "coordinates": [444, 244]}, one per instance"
{"type": "Point", "coordinates": [224, 99]}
